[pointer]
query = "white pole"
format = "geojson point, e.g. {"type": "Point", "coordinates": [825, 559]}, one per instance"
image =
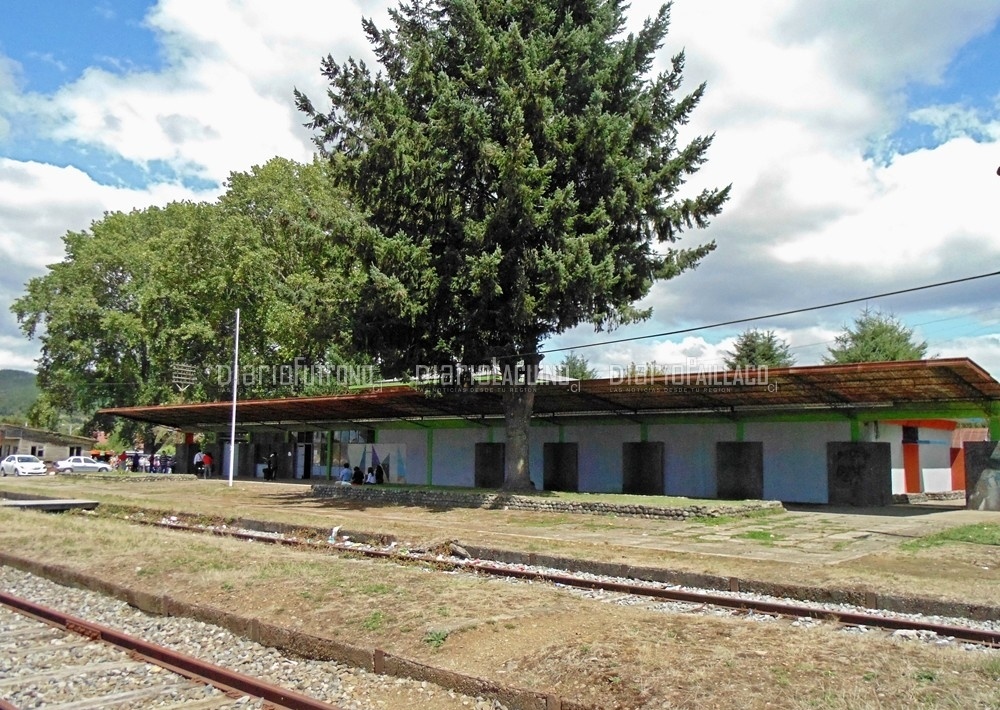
{"type": "Point", "coordinates": [236, 378]}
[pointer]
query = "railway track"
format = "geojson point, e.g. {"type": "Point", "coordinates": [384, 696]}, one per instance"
{"type": "Point", "coordinates": [784, 608]}
{"type": "Point", "coordinates": [55, 660]}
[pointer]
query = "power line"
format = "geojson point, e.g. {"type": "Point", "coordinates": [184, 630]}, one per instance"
{"type": "Point", "coordinates": [773, 315]}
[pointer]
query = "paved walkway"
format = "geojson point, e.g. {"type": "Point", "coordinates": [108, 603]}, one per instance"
{"type": "Point", "coordinates": [813, 534]}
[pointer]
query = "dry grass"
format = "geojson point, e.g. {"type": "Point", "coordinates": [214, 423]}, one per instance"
{"type": "Point", "coordinates": [522, 634]}
{"type": "Point", "coordinates": [953, 571]}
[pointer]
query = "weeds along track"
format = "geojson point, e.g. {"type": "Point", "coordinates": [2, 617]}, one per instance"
{"type": "Point", "coordinates": [452, 557]}
{"type": "Point", "coordinates": [53, 659]}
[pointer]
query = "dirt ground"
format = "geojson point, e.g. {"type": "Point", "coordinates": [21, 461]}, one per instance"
{"type": "Point", "coordinates": [554, 640]}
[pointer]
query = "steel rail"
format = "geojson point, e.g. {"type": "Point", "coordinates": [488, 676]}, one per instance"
{"type": "Point", "coordinates": [222, 678]}
{"type": "Point", "coordinates": [788, 609]}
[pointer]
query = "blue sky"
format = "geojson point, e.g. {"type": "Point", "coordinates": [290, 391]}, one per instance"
{"type": "Point", "coordinates": [861, 140]}
{"type": "Point", "coordinates": [55, 41]}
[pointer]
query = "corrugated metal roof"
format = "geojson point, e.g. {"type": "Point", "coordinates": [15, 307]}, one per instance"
{"type": "Point", "coordinates": [740, 394]}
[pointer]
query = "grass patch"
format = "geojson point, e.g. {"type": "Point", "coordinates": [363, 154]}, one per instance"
{"type": "Point", "coordinates": [991, 669]}
{"type": "Point", "coordinates": [545, 522]}
{"type": "Point", "coordinates": [978, 534]}
{"type": "Point", "coordinates": [436, 639]}
{"type": "Point", "coordinates": [764, 536]}
{"type": "Point", "coordinates": [374, 621]}
{"type": "Point", "coordinates": [377, 588]}
{"type": "Point", "coordinates": [726, 519]}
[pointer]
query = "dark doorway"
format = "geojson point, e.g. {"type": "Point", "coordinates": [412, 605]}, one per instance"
{"type": "Point", "coordinates": [561, 464]}
{"type": "Point", "coordinates": [739, 470]}
{"type": "Point", "coordinates": [642, 468]}
{"type": "Point", "coordinates": [489, 465]}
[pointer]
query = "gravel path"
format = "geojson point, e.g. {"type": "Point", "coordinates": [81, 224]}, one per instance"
{"type": "Point", "coordinates": [335, 683]}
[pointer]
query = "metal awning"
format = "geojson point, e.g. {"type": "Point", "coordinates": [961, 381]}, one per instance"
{"type": "Point", "coordinates": [881, 390]}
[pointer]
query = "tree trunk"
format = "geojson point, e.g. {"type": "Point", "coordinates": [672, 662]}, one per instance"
{"type": "Point", "coordinates": [518, 405]}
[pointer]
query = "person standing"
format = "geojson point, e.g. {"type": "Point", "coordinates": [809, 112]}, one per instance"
{"type": "Point", "coordinates": [206, 461]}
{"type": "Point", "coordinates": [199, 462]}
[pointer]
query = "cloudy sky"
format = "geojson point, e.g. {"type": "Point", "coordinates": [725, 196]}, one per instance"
{"type": "Point", "coordinates": [861, 138]}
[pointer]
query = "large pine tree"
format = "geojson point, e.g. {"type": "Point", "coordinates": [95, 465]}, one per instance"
{"type": "Point", "coordinates": [521, 165]}
{"type": "Point", "coordinates": [758, 348]}
{"type": "Point", "coordinates": [875, 337]}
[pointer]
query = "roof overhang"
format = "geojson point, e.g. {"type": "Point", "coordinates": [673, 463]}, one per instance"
{"type": "Point", "coordinates": [944, 388]}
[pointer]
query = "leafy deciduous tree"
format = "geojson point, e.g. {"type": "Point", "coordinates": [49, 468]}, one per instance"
{"type": "Point", "coordinates": [522, 170]}
{"type": "Point", "coordinates": [142, 292]}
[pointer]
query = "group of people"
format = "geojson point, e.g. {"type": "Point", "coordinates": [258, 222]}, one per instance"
{"type": "Point", "coordinates": [138, 462]}
{"type": "Point", "coordinates": [375, 475]}
{"type": "Point", "coordinates": [203, 464]}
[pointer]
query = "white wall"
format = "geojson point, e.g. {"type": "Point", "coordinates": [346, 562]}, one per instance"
{"type": "Point", "coordinates": [935, 459]}
{"type": "Point", "coordinates": [794, 454]}
{"type": "Point", "coordinates": [795, 457]}
{"type": "Point", "coordinates": [690, 456]}
{"type": "Point", "coordinates": [410, 445]}
{"type": "Point", "coordinates": [600, 454]}
{"type": "Point", "coordinates": [891, 434]}
{"type": "Point", "coordinates": [454, 461]}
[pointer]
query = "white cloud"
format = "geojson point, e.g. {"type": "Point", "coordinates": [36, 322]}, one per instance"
{"type": "Point", "coordinates": [917, 206]}
{"type": "Point", "coordinates": [38, 204]}
{"type": "Point", "coordinates": [799, 95]}
{"type": "Point", "coordinates": [224, 101]}
{"type": "Point", "coordinates": [951, 122]}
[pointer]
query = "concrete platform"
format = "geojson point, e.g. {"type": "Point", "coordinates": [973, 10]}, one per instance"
{"type": "Point", "coordinates": [50, 505]}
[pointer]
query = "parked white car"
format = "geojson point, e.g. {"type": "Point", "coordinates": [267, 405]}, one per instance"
{"type": "Point", "coordinates": [23, 465]}
{"type": "Point", "coordinates": [81, 464]}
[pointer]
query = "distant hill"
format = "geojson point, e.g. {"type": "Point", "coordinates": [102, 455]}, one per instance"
{"type": "Point", "coordinates": [17, 392]}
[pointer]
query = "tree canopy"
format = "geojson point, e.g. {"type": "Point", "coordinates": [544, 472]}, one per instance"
{"type": "Point", "coordinates": [576, 367]}
{"type": "Point", "coordinates": [140, 293]}
{"type": "Point", "coordinates": [758, 348]}
{"type": "Point", "coordinates": [875, 337]}
{"type": "Point", "coordinates": [521, 169]}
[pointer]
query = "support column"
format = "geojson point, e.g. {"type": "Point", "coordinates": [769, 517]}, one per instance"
{"type": "Point", "coordinates": [329, 455]}
{"type": "Point", "coordinates": [957, 459]}
{"type": "Point", "coordinates": [911, 468]}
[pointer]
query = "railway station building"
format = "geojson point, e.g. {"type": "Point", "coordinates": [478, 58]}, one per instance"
{"type": "Point", "coordinates": [833, 434]}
